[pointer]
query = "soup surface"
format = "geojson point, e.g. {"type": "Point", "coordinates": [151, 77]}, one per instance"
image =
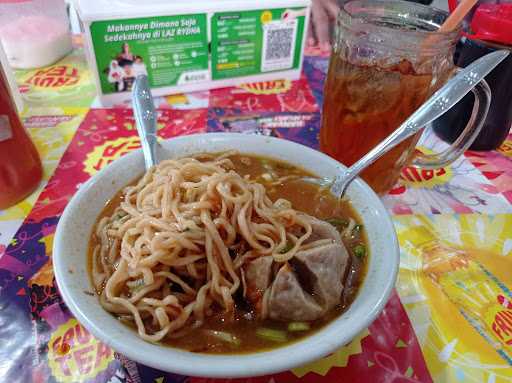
{"type": "Point", "coordinates": [243, 330]}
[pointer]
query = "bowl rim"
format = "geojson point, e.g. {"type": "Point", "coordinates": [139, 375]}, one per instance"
{"type": "Point", "coordinates": [312, 347]}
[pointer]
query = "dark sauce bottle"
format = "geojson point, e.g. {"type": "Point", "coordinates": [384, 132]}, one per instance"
{"type": "Point", "coordinates": [493, 22]}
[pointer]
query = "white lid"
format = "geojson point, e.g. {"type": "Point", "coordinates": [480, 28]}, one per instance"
{"type": "Point", "coordinates": [90, 10]}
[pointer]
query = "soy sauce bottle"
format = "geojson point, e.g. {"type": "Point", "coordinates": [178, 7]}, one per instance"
{"type": "Point", "coordinates": [490, 29]}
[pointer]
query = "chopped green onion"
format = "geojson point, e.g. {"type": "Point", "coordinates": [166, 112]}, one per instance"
{"type": "Point", "coordinates": [298, 326]}
{"type": "Point", "coordinates": [357, 229]}
{"type": "Point", "coordinates": [271, 334]}
{"type": "Point", "coordinates": [119, 215]}
{"type": "Point", "coordinates": [359, 251]}
{"type": "Point", "coordinates": [266, 163]}
{"type": "Point", "coordinates": [338, 223]}
{"type": "Point", "coordinates": [287, 248]}
{"type": "Point", "coordinates": [225, 337]}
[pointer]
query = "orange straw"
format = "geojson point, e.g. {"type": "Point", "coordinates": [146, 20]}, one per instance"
{"type": "Point", "coordinates": [449, 25]}
{"type": "Point", "coordinates": [457, 15]}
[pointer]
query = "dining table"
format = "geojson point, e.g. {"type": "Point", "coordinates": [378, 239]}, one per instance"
{"type": "Point", "coordinates": [449, 318]}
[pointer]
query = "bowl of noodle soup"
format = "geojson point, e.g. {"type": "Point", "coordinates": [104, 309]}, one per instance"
{"type": "Point", "coordinates": [220, 261]}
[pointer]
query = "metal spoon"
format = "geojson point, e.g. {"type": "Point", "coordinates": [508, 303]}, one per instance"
{"type": "Point", "coordinates": [145, 118]}
{"type": "Point", "coordinates": [446, 97]}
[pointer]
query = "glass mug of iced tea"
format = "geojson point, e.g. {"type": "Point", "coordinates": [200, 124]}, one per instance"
{"type": "Point", "coordinates": [386, 61]}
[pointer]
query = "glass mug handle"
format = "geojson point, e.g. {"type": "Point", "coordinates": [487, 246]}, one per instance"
{"type": "Point", "coordinates": [481, 105]}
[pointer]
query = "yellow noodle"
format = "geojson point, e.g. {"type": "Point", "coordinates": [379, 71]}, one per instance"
{"type": "Point", "coordinates": [164, 259]}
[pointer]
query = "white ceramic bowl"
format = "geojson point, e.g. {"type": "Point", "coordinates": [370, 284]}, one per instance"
{"type": "Point", "coordinates": [75, 226]}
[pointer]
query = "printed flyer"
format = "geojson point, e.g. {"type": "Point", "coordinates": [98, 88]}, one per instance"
{"type": "Point", "coordinates": [196, 48]}
{"type": "Point", "coordinates": [171, 50]}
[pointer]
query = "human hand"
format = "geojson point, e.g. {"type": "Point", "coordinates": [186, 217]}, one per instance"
{"type": "Point", "coordinates": [291, 14]}
{"type": "Point", "coordinates": [323, 12]}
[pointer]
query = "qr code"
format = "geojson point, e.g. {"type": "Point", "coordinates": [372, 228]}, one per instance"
{"type": "Point", "coordinates": [278, 45]}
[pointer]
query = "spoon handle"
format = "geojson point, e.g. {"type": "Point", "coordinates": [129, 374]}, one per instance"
{"type": "Point", "coordinates": [145, 118]}
{"type": "Point", "coordinates": [446, 97]}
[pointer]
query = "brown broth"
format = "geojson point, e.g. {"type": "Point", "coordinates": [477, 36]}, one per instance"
{"type": "Point", "coordinates": [300, 194]}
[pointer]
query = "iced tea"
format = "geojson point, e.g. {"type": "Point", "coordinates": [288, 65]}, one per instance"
{"type": "Point", "coordinates": [386, 61]}
{"type": "Point", "coordinates": [362, 106]}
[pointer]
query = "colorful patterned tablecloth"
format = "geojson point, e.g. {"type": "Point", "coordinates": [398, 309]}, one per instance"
{"type": "Point", "coordinates": [449, 319]}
